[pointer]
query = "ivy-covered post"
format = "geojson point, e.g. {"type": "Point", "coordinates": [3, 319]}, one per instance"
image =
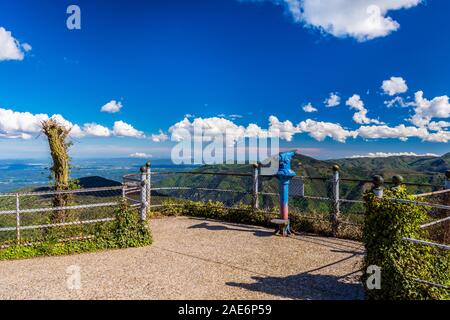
{"type": "Point", "coordinates": [397, 180]}
{"type": "Point", "coordinates": [447, 179]}
{"type": "Point", "coordinates": [149, 184]}
{"type": "Point", "coordinates": [336, 208]}
{"type": "Point", "coordinates": [378, 182]}
{"type": "Point", "coordinates": [255, 198]}
{"type": "Point", "coordinates": [143, 209]}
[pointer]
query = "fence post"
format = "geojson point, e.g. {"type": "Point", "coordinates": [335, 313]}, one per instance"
{"type": "Point", "coordinates": [17, 218]}
{"type": "Point", "coordinates": [149, 185]}
{"type": "Point", "coordinates": [143, 208]}
{"type": "Point", "coordinates": [447, 179]}
{"type": "Point", "coordinates": [255, 193]}
{"type": "Point", "coordinates": [336, 206]}
{"type": "Point", "coordinates": [301, 187]}
{"type": "Point", "coordinates": [378, 188]}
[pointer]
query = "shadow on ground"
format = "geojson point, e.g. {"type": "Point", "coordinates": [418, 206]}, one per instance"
{"type": "Point", "coordinates": [305, 286]}
{"type": "Point", "coordinates": [257, 232]}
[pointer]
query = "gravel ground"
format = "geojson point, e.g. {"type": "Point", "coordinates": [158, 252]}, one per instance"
{"type": "Point", "coordinates": [197, 259]}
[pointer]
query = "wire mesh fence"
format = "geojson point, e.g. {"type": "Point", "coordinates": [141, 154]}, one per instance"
{"type": "Point", "coordinates": [28, 217]}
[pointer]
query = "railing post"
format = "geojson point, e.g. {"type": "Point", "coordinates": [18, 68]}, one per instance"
{"type": "Point", "coordinates": [17, 218]}
{"type": "Point", "coordinates": [255, 192]}
{"type": "Point", "coordinates": [378, 188]}
{"type": "Point", "coordinates": [143, 208]}
{"type": "Point", "coordinates": [336, 206]}
{"type": "Point", "coordinates": [301, 187]}
{"type": "Point", "coordinates": [149, 185]}
{"type": "Point", "coordinates": [447, 179]}
{"type": "Point", "coordinates": [397, 181]}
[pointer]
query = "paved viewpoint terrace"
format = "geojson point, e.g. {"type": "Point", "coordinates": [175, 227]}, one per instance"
{"type": "Point", "coordinates": [198, 259]}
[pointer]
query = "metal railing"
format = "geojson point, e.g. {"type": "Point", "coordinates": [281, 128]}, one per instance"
{"type": "Point", "coordinates": [36, 207]}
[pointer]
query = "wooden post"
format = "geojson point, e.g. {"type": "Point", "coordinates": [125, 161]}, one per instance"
{"type": "Point", "coordinates": [378, 188]}
{"type": "Point", "coordinates": [336, 206]}
{"type": "Point", "coordinates": [17, 218]}
{"type": "Point", "coordinates": [149, 185]}
{"type": "Point", "coordinates": [143, 208]}
{"type": "Point", "coordinates": [255, 193]}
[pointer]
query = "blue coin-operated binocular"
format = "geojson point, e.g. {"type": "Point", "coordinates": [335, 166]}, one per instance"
{"type": "Point", "coordinates": [284, 176]}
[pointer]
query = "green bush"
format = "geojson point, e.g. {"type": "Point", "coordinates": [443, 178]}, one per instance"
{"type": "Point", "coordinates": [125, 231]}
{"type": "Point", "coordinates": [240, 213]}
{"type": "Point", "coordinates": [401, 262]}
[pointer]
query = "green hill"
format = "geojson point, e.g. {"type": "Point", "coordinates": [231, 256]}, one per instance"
{"type": "Point", "coordinates": [420, 170]}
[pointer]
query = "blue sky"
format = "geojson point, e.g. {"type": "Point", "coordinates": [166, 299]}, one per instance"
{"type": "Point", "coordinates": [242, 61]}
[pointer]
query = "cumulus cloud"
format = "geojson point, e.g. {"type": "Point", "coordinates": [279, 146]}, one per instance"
{"type": "Point", "coordinates": [363, 19]}
{"type": "Point", "coordinates": [14, 123]}
{"type": "Point", "coordinates": [394, 85]}
{"type": "Point", "coordinates": [96, 130]}
{"type": "Point", "coordinates": [25, 125]}
{"type": "Point", "coordinates": [438, 125]}
{"type": "Point", "coordinates": [159, 137]}
{"type": "Point", "coordinates": [10, 48]}
{"type": "Point", "coordinates": [440, 136]}
{"type": "Point", "coordinates": [355, 102]}
{"type": "Point", "coordinates": [425, 110]}
{"type": "Point", "coordinates": [320, 130]}
{"type": "Point", "coordinates": [401, 132]}
{"type": "Point", "coordinates": [112, 107]}
{"type": "Point", "coordinates": [123, 129]}
{"type": "Point", "coordinates": [393, 154]}
{"type": "Point", "coordinates": [309, 108]}
{"type": "Point", "coordinates": [333, 100]}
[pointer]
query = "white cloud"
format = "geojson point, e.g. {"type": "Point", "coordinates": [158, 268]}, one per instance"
{"type": "Point", "coordinates": [425, 110]}
{"type": "Point", "coordinates": [333, 100]}
{"type": "Point", "coordinates": [284, 130]}
{"type": "Point", "coordinates": [321, 130]}
{"type": "Point", "coordinates": [123, 129]}
{"type": "Point", "coordinates": [355, 102]}
{"type": "Point", "coordinates": [362, 19]}
{"type": "Point", "coordinates": [13, 123]}
{"type": "Point", "coordinates": [398, 101]}
{"type": "Point", "coordinates": [309, 108]}
{"type": "Point", "coordinates": [394, 85]}
{"type": "Point", "coordinates": [440, 136]}
{"type": "Point", "coordinates": [112, 107]}
{"type": "Point", "coordinates": [159, 137]}
{"type": "Point", "coordinates": [438, 125]}
{"type": "Point", "coordinates": [75, 130]}
{"type": "Point", "coordinates": [401, 132]}
{"type": "Point", "coordinates": [10, 48]}
{"type": "Point", "coordinates": [140, 155]}
{"type": "Point", "coordinates": [96, 130]}
{"type": "Point", "coordinates": [27, 47]}
{"type": "Point", "coordinates": [25, 125]}
{"type": "Point", "coordinates": [393, 154]}
{"type": "Point", "coordinates": [205, 129]}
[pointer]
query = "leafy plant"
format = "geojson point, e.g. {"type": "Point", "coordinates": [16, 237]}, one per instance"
{"type": "Point", "coordinates": [125, 231]}
{"type": "Point", "coordinates": [401, 262]}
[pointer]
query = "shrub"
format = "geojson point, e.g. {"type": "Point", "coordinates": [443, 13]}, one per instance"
{"type": "Point", "coordinates": [401, 262]}
{"type": "Point", "coordinates": [125, 231]}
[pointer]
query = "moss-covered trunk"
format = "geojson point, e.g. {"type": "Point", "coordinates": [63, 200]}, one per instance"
{"type": "Point", "coordinates": [57, 139]}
